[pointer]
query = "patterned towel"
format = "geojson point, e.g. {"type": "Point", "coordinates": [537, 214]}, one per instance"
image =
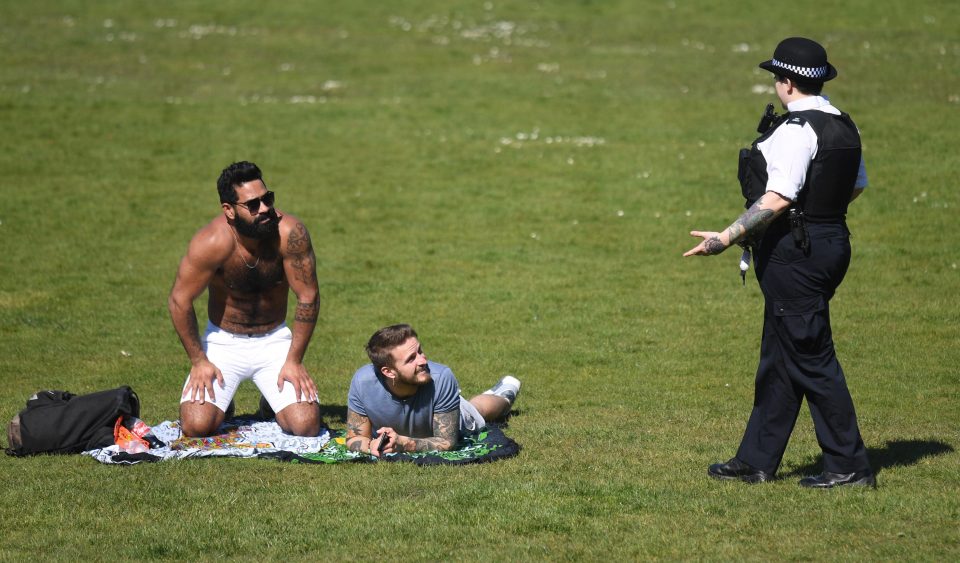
{"type": "Point", "coordinates": [490, 444]}
{"type": "Point", "coordinates": [252, 437]}
{"type": "Point", "coordinates": [238, 437]}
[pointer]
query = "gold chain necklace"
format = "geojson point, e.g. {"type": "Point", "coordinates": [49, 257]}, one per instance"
{"type": "Point", "coordinates": [245, 263]}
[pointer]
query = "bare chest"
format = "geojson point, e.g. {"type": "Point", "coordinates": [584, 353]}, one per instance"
{"type": "Point", "coordinates": [266, 274]}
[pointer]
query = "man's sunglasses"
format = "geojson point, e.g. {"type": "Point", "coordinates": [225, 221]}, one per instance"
{"type": "Point", "coordinates": [253, 205]}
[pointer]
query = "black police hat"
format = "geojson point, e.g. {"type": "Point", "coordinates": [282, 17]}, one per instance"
{"type": "Point", "coordinates": [801, 59]}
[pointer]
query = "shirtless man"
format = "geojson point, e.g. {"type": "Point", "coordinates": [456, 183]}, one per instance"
{"type": "Point", "coordinates": [248, 259]}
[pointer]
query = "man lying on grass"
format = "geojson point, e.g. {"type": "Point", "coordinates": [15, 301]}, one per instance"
{"type": "Point", "coordinates": [401, 402]}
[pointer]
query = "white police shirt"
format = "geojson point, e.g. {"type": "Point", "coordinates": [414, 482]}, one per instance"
{"type": "Point", "coordinates": [791, 147]}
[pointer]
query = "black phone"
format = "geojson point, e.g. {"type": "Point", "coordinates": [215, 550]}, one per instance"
{"type": "Point", "coordinates": [384, 438]}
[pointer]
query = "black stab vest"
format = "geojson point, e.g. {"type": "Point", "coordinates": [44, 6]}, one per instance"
{"type": "Point", "coordinates": [832, 173]}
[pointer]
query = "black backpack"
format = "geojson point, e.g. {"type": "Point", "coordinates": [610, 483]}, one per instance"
{"type": "Point", "coordinates": [59, 422]}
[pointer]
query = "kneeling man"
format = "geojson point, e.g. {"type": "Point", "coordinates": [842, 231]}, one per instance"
{"type": "Point", "coordinates": [402, 402]}
{"type": "Point", "coordinates": [247, 259]}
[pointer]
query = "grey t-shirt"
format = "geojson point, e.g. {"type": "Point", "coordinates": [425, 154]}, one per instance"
{"type": "Point", "coordinates": [412, 416]}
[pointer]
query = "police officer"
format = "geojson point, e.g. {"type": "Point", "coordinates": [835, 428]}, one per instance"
{"type": "Point", "coordinates": [798, 178]}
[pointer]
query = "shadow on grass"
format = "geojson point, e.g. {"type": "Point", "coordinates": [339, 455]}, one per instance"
{"type": "Point", "coordinates": [334, 413]}
{"type": "Point", "coordinates": [893, 454]}
{"type": "Point", "coordinates": [504, 422]}
{"type": "Point", "coordinates": [328, 413]}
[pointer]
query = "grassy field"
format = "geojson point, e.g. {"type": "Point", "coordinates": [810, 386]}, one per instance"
{"type": "Point", "coordinates": [517, 181]}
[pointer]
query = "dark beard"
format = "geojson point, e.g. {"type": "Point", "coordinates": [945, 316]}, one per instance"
{"type": "Point", "coordinates": [258, 229]}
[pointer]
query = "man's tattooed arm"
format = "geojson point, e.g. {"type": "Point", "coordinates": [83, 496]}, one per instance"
{"type": "Point", "coordinates": [303, 264]}
{"type": "Point", "coordinates": [359, 431]}
{"type": "Point", "coordinates": [299, 265]}
{"type": "Point", "coordinates": [300, 249]}
{"type": "Point", "coordinates": [446, 433]}
{"type": "Point", "coordinates": [307, 312]}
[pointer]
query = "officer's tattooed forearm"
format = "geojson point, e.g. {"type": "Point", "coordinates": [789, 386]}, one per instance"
{"type": "Point", "coordinates": [753, 220]}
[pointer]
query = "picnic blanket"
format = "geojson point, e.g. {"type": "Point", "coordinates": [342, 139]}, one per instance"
{"type": "Point", "coordinates": [490, 444]}
{"type": "Point", "coordinates": [237, 437]}
{"type": "Point", "coordinates": [245, 437]}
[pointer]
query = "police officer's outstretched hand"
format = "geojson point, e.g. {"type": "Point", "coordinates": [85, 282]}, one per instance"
{"type": "Point", "coordinates": [710, 245]}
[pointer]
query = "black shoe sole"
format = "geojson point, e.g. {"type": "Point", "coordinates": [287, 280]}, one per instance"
{"type": "Point", "coordinates": [872, 483]}
{"type": "Point", "coordinates": [749, 479]}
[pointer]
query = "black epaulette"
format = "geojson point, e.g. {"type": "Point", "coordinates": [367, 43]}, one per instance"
{"type": "Point", "coordinates": [795, 120]}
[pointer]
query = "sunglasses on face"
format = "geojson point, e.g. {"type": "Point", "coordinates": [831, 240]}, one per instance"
{"type": "Point", "coordinates": [253, 205]}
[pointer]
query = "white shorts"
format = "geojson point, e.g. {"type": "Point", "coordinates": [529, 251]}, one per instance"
{"type": "Point", "coordinates": [240, 357]}
{"type": "Point", "coordinates": [470, 418]}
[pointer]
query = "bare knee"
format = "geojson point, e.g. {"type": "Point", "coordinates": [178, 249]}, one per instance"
{"type": "Point", "coordinates": [300, 419]}
{"type": "Point", "coordinates": [198, 420]}
{"type": "Point", "coordinates": [491, 407]}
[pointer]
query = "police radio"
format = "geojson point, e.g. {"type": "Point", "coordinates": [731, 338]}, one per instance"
{"type": "Point", "coordinates": [768, 118]}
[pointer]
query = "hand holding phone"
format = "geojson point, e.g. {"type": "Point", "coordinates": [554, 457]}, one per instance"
{"type": "Point", "coordinates": [384, 438]}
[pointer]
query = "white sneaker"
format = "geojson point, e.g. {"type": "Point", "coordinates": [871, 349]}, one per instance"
{"type": "Point", "coordinates": [508, 387]}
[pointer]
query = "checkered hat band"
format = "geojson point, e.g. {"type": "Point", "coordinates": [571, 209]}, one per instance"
{"type": "Point", "coordinates": [809, 72]}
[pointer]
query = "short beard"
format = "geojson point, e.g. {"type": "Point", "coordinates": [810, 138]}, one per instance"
{"type": "Point", "coordinates": [414, 378]}
{"type": "Point", "coordinates": [257, 229]}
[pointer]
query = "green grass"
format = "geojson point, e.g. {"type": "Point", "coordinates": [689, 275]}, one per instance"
{"type": "Point", "coordinates": [403, 135]}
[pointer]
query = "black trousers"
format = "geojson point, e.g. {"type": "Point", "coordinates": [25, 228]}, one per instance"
{"type": "Point", "coordinates": [797, 357]}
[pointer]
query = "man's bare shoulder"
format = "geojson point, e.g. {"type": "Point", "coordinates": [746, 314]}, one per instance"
{"type": "Point", "coordinates": [213, 243]}
{"type": "Point", "coordinates": [294, 238]}
{"type": "Point", "coordinates": [289, 222]}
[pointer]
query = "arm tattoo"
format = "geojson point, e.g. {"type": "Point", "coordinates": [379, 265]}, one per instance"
{"type": "Point", "coordinates": [299, 240]}
{"type": "Point", "coordinates": [750, 224]}
{"type": "Point", "coordinates": [307, 312]}
{"type": "Point", "coordinates": [357, 424]}
{"type": "Point", "coordinates": [736, 230]}
{"type": "Point", "coordinates": [304, 260]}
{"type": "Point", "coordinates": [446, 433]}
{"type": "Point", "coordinates": [753, 220]}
